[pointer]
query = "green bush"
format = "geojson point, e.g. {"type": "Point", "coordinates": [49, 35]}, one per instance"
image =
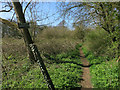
{"type": "Point", "coordinates": [85, 51]}
{"type": "Point", "coordinates": [94, 59]}
{"type": "Point", "coordinates": [79, 32]}
{"type": "Point", "coordinates": [101, 43]}
{"type": "Point", "coordinates": [96, 41]}
{"type": "Point", "coordinates": [78, 46]}
{"type": "Point", "coordinates": [105, 75]}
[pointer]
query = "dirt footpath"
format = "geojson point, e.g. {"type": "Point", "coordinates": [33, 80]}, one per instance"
{"type": "Point", "coordinates": [86, 82]}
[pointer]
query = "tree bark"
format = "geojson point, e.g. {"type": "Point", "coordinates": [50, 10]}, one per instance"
{"type": "Point", "coordinates": [33, 50]}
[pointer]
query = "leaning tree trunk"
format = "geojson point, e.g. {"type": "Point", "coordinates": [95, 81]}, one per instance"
{"type": "Point", "coordinates": [26, 34]}
{"type": "Point", "coordinates": [33, 50]}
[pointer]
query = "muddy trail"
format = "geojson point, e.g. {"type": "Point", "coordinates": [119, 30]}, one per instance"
{"type": "Point", "coordinates": [86, 82]}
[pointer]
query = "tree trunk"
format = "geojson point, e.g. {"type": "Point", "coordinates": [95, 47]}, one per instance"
{"type": "Point", "coordinates": [33, 51]}
{"type": "Point", "coordinates": [26, 34]}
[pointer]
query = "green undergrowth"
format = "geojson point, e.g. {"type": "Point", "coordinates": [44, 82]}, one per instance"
{"type": "Point", "coordinates": [65, 74]}
{"type": "Point", "coordinates": [92, 58]}
{"type": "Point", "coordinates": [104, 72]}
{"type": "Point", "coordinates": [105, 75]}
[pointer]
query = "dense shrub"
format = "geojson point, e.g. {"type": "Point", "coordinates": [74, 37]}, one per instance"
{"type": "Point", "coordinates": [56, 40]}
{"type": "Point", "coordinates": [96, 41]}
{"type": "Point", "coordinates": [13, 46]}
{"type": "Point", "coordinates": [79, 32]}
{"type": "Point", "coordinates": [56, 46]}
{"type": "Point", "coordinates": [72, 54]}
{"type": "Point", "coordinates": [101, 43]}
{"type": "Point", "coordinates": [51, 41]}
{"type": "Point", "coordinates": [105, 75]}
{"type": "Point", "coordinates": [55, 32]}
{"type": "Point", "coordinates": [92, 58]}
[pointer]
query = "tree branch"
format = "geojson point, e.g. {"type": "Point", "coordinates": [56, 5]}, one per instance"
{"type": "Point", "coordinates": [12, 16]}
{"type": "Point", "coordinates": [6, 10]}
{"type": "Point", "coordinates": [8, 5]}
{"type": "Point", "coordinates": [27, 6]}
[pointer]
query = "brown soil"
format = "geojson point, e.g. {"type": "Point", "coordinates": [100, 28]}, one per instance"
{"type": "Point", "coordinates": [86, 82]}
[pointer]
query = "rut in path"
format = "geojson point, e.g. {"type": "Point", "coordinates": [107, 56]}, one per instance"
{"type": "Point", "coordinates": [86, 82]}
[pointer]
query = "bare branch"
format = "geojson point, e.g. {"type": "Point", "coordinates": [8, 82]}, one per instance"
{"type": "Point", "coordinates": [7, 5]}
{"type": "Point", "coordinates": [12, 16]}
{"type": "Point", "coordinates": [6, 10]}
{"type": "Point", "coordinates": [27, 6]}
{"type": "Point", "coordinates": [48, 16]}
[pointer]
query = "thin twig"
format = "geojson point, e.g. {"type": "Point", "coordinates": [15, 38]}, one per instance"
{"type": "Point", "coordinates": [27, 6]}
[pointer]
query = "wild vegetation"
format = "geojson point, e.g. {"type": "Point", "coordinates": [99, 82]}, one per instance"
{"type": "Point", "coordinates": [59, 49]}
{"type": "Point", "coordinates": [61, 60]}
{"type": "Point", "coordinates": [104, 71]}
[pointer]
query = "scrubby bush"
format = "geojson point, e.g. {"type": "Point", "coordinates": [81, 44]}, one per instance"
{"type": "Point", "coordinates": [101, 43]}
{"type": "Point", "coordinates": [79, 32]}
{"type": "Point", "coordinates": [56, 46]}
{"type": "Point", "coordinates": [55, 32]}
{"type": "Point", "coordinates": [53, 41]}
{"type": "Point", "coordinates": [105, 75]}
{"type": "Point", "coordinates": [13, 46]}
{"type": "Point", "coordinates": [96, 41]}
